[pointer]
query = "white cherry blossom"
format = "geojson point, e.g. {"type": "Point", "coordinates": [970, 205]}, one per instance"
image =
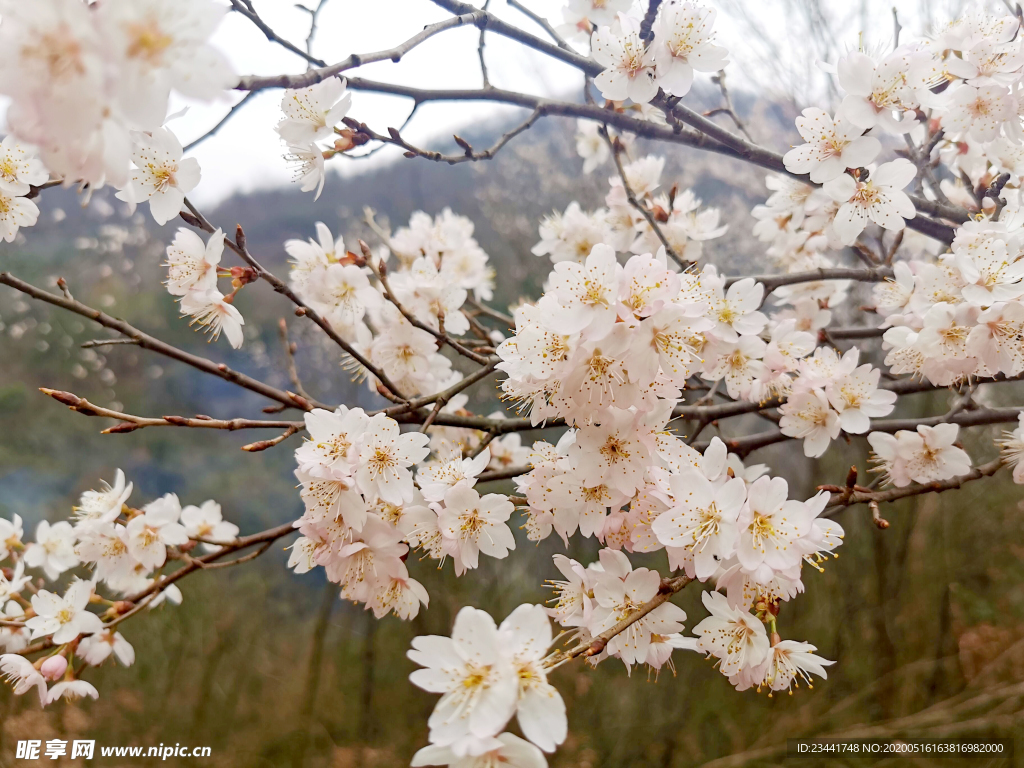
{"type": "Point", "coordinates": [879, 200]}
{"type": "Point", "coordinates": [833, 145]}
{"type": "Point", "coordinates": [212, 311]}
{"type": "Point", "coordinates": [63, 618]}
{"type": "Point", "coordinates": [161, 175]}
{"type": "Point", "coordinates": [192, 264]}
{"type": "Point", "coordinates": [682, 44]}
{"type": "Point", "coordinates": [629, 65]}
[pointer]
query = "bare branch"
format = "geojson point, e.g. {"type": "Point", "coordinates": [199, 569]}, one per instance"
{"type": "Point", "coordinates": [468, 155]}
{"type": "Point", "coordinates": [221, 123]}
{"type": "Point", "coordinates": [289, 350]}
{"type": "Point", "coordinates": [313, 76]}
{"type": "Point", "coordinates": [536, 18]}
{"type": "Point", "coordinates": [245, 8]}
{"type": "Point", "coordinates": [841, 501]}
{"type": "Point", "coordinates": [144, 340]}
{"type": "Point", "coordinates": [130, 423]}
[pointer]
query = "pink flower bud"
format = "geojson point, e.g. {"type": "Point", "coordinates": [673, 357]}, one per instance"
{"type": "Point", "coordinates": [54, 667]}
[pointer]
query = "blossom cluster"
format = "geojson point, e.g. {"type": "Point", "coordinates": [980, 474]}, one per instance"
{"type": "Point", "coordinates": [83, 78]}
{"type": "Point", "coordinates": [682, 220]}
{"type": "Point", "coordinates": [439, 265]}
{"type": "Point", "coordinates": [487, 674]}
{"type": "Point", "coordinates": [125, 549]}
{"type": "Point", "coordinates": [681, 45]}
{"type": "Point", "coordinates": [716, 520]}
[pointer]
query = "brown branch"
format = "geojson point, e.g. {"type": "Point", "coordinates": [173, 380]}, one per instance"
{"type": "Point", "coordinates": [982, 416]}
{"type": "Point", "coordinates": [668, 588]}
{"type": "Point", "coordinates": [394, 137]}
{"type": "Point", "coordinates": [153, 344]}
{"type": "Point", "coordinates": [130, 423]}
{"type": "Point", "coordinates": [245, 8]}
{"type": "Point", "coordinates": [492, 313]}
{"type": "Point", "coordinates": [314, 76]}
{"type": "Point", "coordinates": [616, 150]}
{"type": "Point", "coordinates": [719, 80]}
{"type": "Point", "coordinates": [264, 538]}
{"type": "Point", "coordinates": [865, 275]}
{"type": "Point", "coordinates": [262, 445]}
{"type": "Point", "coordinates": [220, 124]}
{"type": "Point", "coordinates": [290, 350]}
{"type": "Point", "coordinates": [380, 270]}
{"type": "Point", "coordinates": [840, 501]}
{"type": "Point", "coordinates": [540, 21]}
{"type": "Point", "coordinates": [408, 409]}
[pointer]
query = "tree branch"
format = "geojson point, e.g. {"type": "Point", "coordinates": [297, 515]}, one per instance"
{"type": "Point", "coordinates": [144, 340]}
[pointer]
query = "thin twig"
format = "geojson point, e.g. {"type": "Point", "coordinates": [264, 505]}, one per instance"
{"type": "Point", "coordinates": [290, 349]}
{"type": "Point", "coordinates": [246, 9]}
{"type": "Point", "coordinates": [616, 149]}
{"type": "Point", "coordinates": [153, 344]}
{"type": "Point", "coordinates": [129, 422]}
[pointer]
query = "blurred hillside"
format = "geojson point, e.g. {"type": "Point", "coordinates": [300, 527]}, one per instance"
{"type": "Point", "coordinates": [271, 669]}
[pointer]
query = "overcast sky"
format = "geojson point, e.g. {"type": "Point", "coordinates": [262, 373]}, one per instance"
{"type": "Point", "coordinates": [247, 154]}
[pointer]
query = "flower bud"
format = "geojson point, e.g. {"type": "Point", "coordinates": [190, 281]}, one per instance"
{"type": "Point", "coordinates": [54, 668]}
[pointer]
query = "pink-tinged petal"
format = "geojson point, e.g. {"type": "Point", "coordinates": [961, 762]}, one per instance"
{"type": "Point", "coordinates": [541, 715]}
{"type": "Point", "coordinates": [165, 205]}
{"type": "Point", "coordinates": [676, 78]}
{"type": "Point", "coordinates": [495, 707]}
{"type": "Point", "coordinates": [434, 651]}
{"type": "Point", "coordinates": [815, 125]}
{"type": "Point", "coordinates": [901, 201]}
{"type": "Point", "coordinates": [886, 215]}
{"type": "Point", "coordinates": [642, 88]}
{"type": "Point", "coordinates": [854, 421]}
{"type": "Point", "coordinates": [476, 637]}
{"type": "Point", "coordinates": [803, 159]}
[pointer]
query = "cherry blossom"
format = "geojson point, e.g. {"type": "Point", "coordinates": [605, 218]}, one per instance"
{"type": "Point", "coordinates": [385, 458]}
{"type": "Point", "coordinates": [191, 264]}
{"type": "Point", "coordinates": [682, 44]}
{"type": "Point", "coordinates": [53, 550]}
{"type": "Point", "coordinates": [505, 749]}
{"type": "Point", "coordinates": [879, 200]}
{"type": "Point", "coordinates": [629, 65]}
{"type": "Point", "coordinates": [476, 676]}
{"type": "Point", "coordinates": [15, 212]}
{"type": "Point", "coordinates": [63, 618]}
{"type": "Point", "coordinates": [475, 524]}
{"type": "Point", "coordinates": [833, 145]}
{"type": "Point", "coordinates": [157, 528]}
{"type": "Point", "coordinates": [20, 169]}
{"type": "Point", "coordinates": [161, 176]}
{"type": "Point", "coordinates": [212, 311]}
{"type": "Point", "coordinates": [311, 113]}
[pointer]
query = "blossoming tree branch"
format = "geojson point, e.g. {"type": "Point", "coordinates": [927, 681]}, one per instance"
{"type": "Point", "coordinates": [907, 191]}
